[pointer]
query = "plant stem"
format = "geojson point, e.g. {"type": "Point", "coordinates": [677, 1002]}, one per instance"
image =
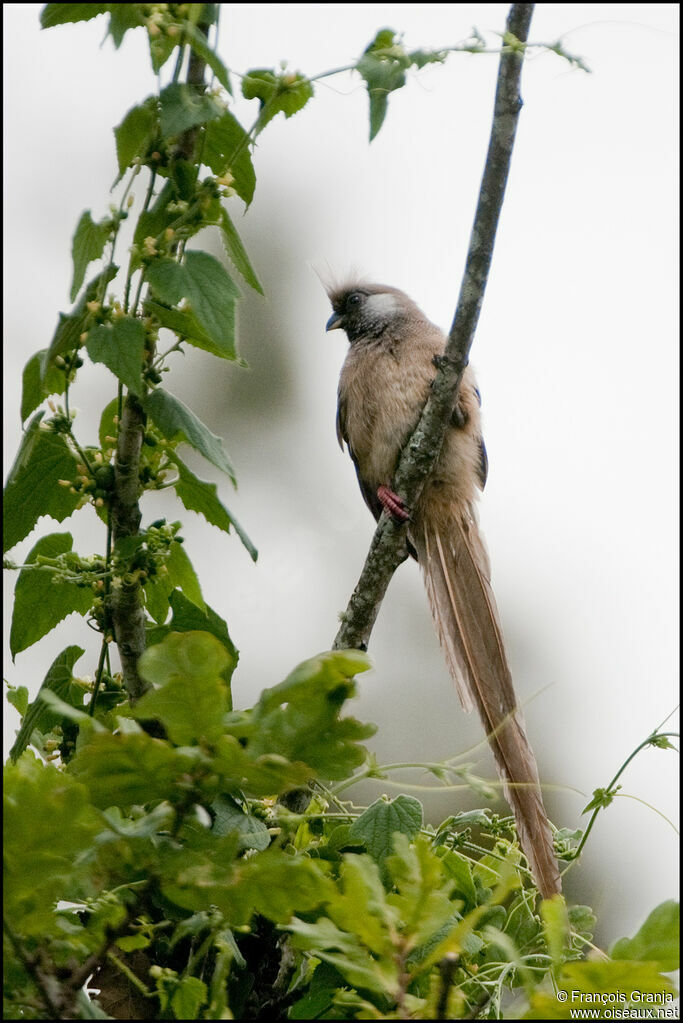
{"type": "Point", "coordinates": [610, 788]}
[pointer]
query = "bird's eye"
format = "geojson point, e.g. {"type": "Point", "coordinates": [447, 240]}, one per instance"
{"type": "Point", "coordinates": [353, 299]}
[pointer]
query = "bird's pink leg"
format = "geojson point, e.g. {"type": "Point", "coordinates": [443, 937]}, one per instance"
{"type": "Point", "coordinates": [392, 503]}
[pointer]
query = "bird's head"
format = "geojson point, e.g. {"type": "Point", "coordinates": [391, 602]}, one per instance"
{"type": "Point", "coordinates": [366, 310]}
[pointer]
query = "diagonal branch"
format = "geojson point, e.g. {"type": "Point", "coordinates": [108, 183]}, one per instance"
{"type": "Point", "coordinates": [388, 548]}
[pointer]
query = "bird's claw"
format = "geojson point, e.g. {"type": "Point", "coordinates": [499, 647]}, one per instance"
{"type": "Point", "coordinates": [392, 504]}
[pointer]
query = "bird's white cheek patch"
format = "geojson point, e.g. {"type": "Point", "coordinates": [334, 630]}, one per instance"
{"type": "Point", "coordinates": [383, 305]}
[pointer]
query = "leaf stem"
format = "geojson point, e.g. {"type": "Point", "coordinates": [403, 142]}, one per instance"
{"type": "Point", "coordinates": [610, 788]}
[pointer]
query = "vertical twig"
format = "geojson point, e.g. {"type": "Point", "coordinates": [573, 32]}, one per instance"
{"type": "Point", "coordinates": [126, 603]}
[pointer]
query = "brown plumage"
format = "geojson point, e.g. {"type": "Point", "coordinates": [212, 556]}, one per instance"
{"type": "Point", "coordinates": [383, 387]}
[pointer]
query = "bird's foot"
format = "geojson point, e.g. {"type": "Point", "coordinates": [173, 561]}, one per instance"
{"type": "Point", "coordinates": [392, 504]}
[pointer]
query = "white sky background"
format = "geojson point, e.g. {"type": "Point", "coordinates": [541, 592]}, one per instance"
{"type": "Point", "coordinates": [576, 355]}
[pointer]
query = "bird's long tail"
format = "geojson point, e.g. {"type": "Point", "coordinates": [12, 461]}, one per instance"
{"type": "Point", "coordinates": [455, 565]}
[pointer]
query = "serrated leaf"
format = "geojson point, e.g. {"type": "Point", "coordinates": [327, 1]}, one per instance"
{"type": "Point", "coordinates": [657, 941]}
{"type": "Point", "coordinates": [62, 14]}
{"type": "Point", "coordinates": [212, 294]}
{"type": "Point", "coordinates": [179, 573]}
{"type": "Point", "coordinates": [32, 487]}
{"type": "Point", "coordinates": [188, 997]}
{"type": "Point", "coordinates": [226, 148]}
{"type": "Point", "coordinates": [120, 347]}
{"type": "Point", "coordinates": [184, 324]}
{"type": "Point", "coordinates": [18, 698]}
{"type": "Point", "coordinates": [166, 277]}
{"type": "Point", "coordinates": [187, 617]}
{"type": "Point", "coordinates": [40, 602]}
{"type": "Point", "coordinates": [382, 67]}
{"type": "Point", "coordinates": [268, 774]}
{"type": "Point", "coordinates": [127, 769]}
{"type": "Point", "coordinates": [273, 883]}
{"type": "Point", "coordinates": [230, 819]}
{"type": "Point", "coordinates": [202, 497]}
{"type": "Point", "coordinates": [189, 696]}
{"type": "Point", "coordinates": [182, 108]}
{"type": "Point", "coordinates": [300, 718]}
{"type": "Point", "coordinates": [39, 715]}
{"type": "Point", "coordinates": [67, 336]}
{"type": "Point", "coordinates": [136, 132]}
{"type": "Point", "coordinates": [48, 824]}
{"type": "Point", "coordinates": [123, 17]}
{"type": "Point", "coordinates": [88, 245]}
{"type": "Point", "coordinates": [236, 251]}
{"type": "Point", "coordinates": [39, 381]}
{"type": "Point", "coordinates": [375, 828]}
{"type": "Point", "coordinates": [278, 93]}
{"type": "Point", "coordinates": [178, 423]}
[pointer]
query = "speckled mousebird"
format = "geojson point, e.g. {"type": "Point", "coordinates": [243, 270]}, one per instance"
{"type": "Point", "coordinates": [384, 384]}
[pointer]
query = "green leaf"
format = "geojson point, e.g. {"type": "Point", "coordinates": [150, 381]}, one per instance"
{"type": "Point", "coordinates": [188, 998]}
{"type": "Point", "coordinates": [212, 294]}
{"type": "Point", "coordinates": [184, 324]}
{"type": "Point", "coordinates": [121, 18]}
{"type": "Point", "coordinates": [375, 828]}
{"type": "Point", "coordinates": [136, 132]}
{"type": "Point", "coordinates": [229, 818]}
{"type": "Point", "coordinates": [38, 714]}
{"type": "Point", "coordinates": [383, 67]}
{"type": "Point", "coordinates": [210, 291]}
{"type": "Point", "coordinates": [132, 768]}
{"type": "Point", "coordinates": [267, 774]}
{"type": "Point", "coordinates": [167, 279]}
{"type": "Point", "coordinates": [273, 883]}
{"type": "Point", "coordinates": [40, 601]}
{"type": "Point", "coordinates": [39, 381]}
{"type": "Point", "coordinates": [18, 698]}
{"type": "Point", "coordinates": [237, 252]}
{"type": "Point", "coordinates": [197, 41]}
{"type": "Point", "coordinates": [32, 487]}
{"type": "Point", "coordinates": [67, 336]}
{"type": "Point", "coordinates": [178, 423]}
{"type": "Point", "coordinates": [108, 428]}
{"type": "Point", "coordinates": [556, 927]}
{"type": "Point", "coordinates": [285, 93]}
{"type": "Point", "coordinates": [459, 869]}
{"type": "Point", "coordinates": [181, 107]}
{"type": "Point", "coordinates": [120, 347]}
{"type": "Point", "coordinates": [152, 222]}
{"type": "Point", "coordinates": [88, 245]}
{"type": "Point", "coordinates": [202, 497]}
{"type": "Point", "coordinates": [189, 696]}
{"type": "Point", "coordinates": [358, 967]}
{"type": "Point", "coordinates": [61, 14]}
{"type": "Point", "coordinates": [226, 148]}
{"type": "Point", "coordinates": [187, 617]}
{"type": "Point", "coordinates": [179, 573]}
{"type": "Point", "coordinates": [299, 719]}
{"type": "Point", "coordinates": [48, 825]}
{"type": "Point", "coordinates": [656, 941]}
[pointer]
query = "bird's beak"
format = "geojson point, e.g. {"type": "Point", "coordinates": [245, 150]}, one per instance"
{"type": "Point", "coordinates": [334, 321]}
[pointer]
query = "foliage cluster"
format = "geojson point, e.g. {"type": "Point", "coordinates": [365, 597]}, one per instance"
{"type": "Point", "coordinates": [152, 868]}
